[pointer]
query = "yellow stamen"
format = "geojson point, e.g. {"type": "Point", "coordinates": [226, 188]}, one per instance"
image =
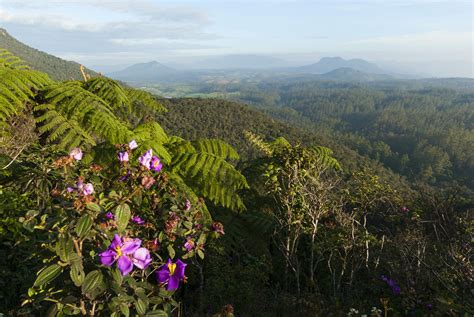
{"type": "Point", "coordinates": [118, 250]}
{"type": "Point", "coordinates": [171, 268]}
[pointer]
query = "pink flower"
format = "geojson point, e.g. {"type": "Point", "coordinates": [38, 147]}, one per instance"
{"type": "Point", "coordinates": [88, 189]}
{"type": "Point", "coordinates": [76, 153]}
{"type": "Point", "coordinates": [132, 145]}
{"type": "Point", "coordinates": [156, 164]}
{"type": "Point", "coordinates": [123, 156]}
{"type": "Point", "coordinates": [145, 159]}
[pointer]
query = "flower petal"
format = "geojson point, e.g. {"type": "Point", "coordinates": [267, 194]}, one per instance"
{"type": "Point", "coordinates": [163, 275]}
{"type": "Point", "coordinates": [125, 265]}
{"type": "Point", "coordinates": [131, 246]}
{"type": "Point", "coordinates": [173, 283]}
{"type": "Point", "coordinates": [107, 257]}
{"type": "Point", "coordinates": [180, 267]}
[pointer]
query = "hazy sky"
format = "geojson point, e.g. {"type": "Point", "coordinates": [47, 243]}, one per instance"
{"type": "Point", "coordinates": [417, 36]}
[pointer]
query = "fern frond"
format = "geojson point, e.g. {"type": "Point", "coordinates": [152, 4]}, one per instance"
{"type": "Point", "coordinates": [91, 112]}
{"type": "Point", "coordinates": [216, 147]}
{"type": "Point", "coordinates": [58, 128]}
{"type": "Point", "coordinates": [111, 92]}
{"type": "Point", "coordinates": [258, 142]}
{"type": "Point", "coordinates": [210, 175]}
{"type": "Point", "coordinates": [325, 156]}
{"type": "Point", "coordinates": [141, 98]}
{"type": "Point", "coordinates": [151, 135]}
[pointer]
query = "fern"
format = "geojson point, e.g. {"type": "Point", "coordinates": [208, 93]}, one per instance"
{"type": "Point", "coordinates": [141, 98]}
{"type": "Point", "coordinates": [17, 85]}
{"type": "Point", "coordinates": [151, 135]}
{"type": "Point", "coordinates": [205, 168]}
{"type": "Point", "coordinates": [91, 112]}
{"type": "Point", "coordinates": [111, 92]}
{"type": "Point", "coordinates": [67, 131]}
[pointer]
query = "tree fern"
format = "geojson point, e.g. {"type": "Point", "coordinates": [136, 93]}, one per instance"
{"type": "Point", "coordinates": [91, 112]}
{"type": "Point", "coordinates": [141, 98]}
{"type": "Point", "coordinates": [111, 92]}
{"type": "Point", "coordinates": [17, 84]}
{"type": "Point", "coordinates": [67, 132]}
{"type": "Point", "coordinates": [151, 135]}
{"type": "Point", "coordinates": [205, 168]}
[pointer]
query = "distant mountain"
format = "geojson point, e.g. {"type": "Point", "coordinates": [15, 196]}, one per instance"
{"type": "Point", "coordinates": [147, 72]}
{"type": "Point", "coordinates": [328, 64]}
{"type": "Point", "coordinates": [240, 62]}
{"type": "Point", "coordinates": [55, 67]}
{"type": "Point", "coordinates": [350, 74]}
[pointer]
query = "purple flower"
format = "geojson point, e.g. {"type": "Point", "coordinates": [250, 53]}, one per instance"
{"type": "Point", "coordinates": [156, 164]}
{"type": "Point", "coordinates": [171, 273]}
{"type": "Point", "coordinates": [76, 153]}
{"type": "Point", "coordinates": [405, 209]}
{"type": "Point", "coordinates": [189, 245]}
{"type": "Point", "coordinates": [109, 215]}
{"type": "Point", "coordinates": [123, 156]}
{"type": "Point", "coordinates": [69, 189]}
{"type": "Point", "coordinates": [145, 159]}
{"type": "Point", "coordinates": [392, 284]}
{"type": "Point", "coordinates": [141, 258]}
{"type": "Point", "coordinates": [88, 189]}
{"type": "Point", "coordinates": [138, 220]}
{"type": "Point", "coordinates": [188, 205]}
{"type": "Point", "coordinates": [132, 145]}
{"type": "Point", "coordinates": [125, 177]}
{"type": "Point", "coordinates": [121, 251]}
{"type": "Point", "coordinates": [429, 306]}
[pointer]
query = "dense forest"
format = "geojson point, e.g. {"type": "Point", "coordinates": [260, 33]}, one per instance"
{"type": "Point", "coordinates": [322, 199]}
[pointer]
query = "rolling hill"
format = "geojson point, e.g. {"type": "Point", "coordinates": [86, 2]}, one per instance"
{"type": "Point", "coordinates": [57, 68]}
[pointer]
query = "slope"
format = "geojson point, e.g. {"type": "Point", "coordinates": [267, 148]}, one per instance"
{"type": "Point", "coordinates": [55, 67]}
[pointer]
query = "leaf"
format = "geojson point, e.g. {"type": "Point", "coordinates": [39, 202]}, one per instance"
{"type": "Point", "coordinates": [48, 274]}
{"type": "Point", "coordinates": [200, 254]}
{"type": "Point", "coordinates": [122, 216]}
{"type": "Point", "coordinates": [84, 225]}
{"type": "Point", "coordinates": [141, 306]}
{"type": "Point", "coordinates": [93, 207]}
{"type": "Point", "coordinates": [157, 313]}
{"type": "Point", "coordinates": [171, 251]}
{"type": "Point", "coordinates": [77, 273]}
{"type": "Point", "coordinates": [93, 284]}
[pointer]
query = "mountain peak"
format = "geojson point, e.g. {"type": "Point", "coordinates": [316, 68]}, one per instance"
{"type": "Point", "coordinates": [328, 64]}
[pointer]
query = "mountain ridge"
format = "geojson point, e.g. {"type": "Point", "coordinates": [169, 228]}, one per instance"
{"type": "Point", "coordinates": [57, 68]}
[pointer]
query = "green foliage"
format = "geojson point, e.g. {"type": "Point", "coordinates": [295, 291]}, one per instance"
{"type": "Point", "coordinates": [203, 164]}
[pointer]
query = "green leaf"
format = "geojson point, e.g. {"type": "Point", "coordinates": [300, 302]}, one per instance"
{"type": "Point", "coordinates": [83, 226]}
{"type": "Point", "coordinates": [77, 273]}
{"type": "Point", "coordinates": [141, 306]}
{"type": "Point", "coordinates": [48, 274]}
{"type": "Point", "coordinates": [157, 313]}
{"type": "Point", "coordinates": [93, 284]}
{"type": "Point", "coordinates": [200, 254]}
{"type": "Point", "coordinates": [171, 251]}
{"type": "Point", "coordinates": [122, 216]}
{"type": "Point", "coordinates": [124, 309]}
{"type": "Point", "coordinates": [93, 207]}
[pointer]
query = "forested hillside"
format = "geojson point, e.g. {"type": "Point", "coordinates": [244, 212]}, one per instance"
{"type": "Point", "coordinates": [55, 67]}
{"type": "Point", "coordinates": [227, 120]}
{"type": "Point", "coordinates": [125, 204]}
{"type": "Point", "coordinates": [424, 133]}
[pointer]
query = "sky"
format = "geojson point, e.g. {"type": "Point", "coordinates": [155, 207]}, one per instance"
{"type": "Point", "coordinates": [431, 37]}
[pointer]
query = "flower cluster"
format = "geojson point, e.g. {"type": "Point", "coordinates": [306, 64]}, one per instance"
{"type": "Point", "coordinates": [127, 252]}
{"type": "Point", "coordinates": [81, 188]}
{"type": "Point", "coordinates": [151, 162]}
{"type": "Point", "coordinates": [393, 285]}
